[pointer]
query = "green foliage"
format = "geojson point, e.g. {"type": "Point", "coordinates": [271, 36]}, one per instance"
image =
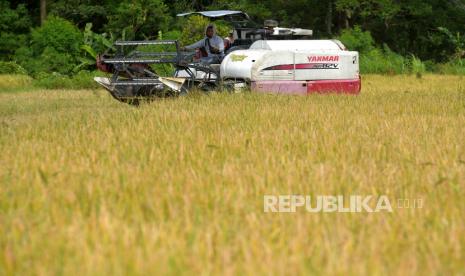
{"type": "Point", "coordinates": [53, 60]}
{"type": "Point", "coordinates": [194, 29]}
{"type": "Point", "coordinates": [14, 26]}
{"type": "Point", "coordinates": [139, 19]}
{"type": "Point", "coordinates": [382, 61]}
{"type": "Point", "coordinates": [421, 33]}
{"type": "Point", "coordinates": [171, 35]}
{"type": "Point", "coordinates": [25, 57]}
{"type": "Point", "coordinates": [382, 9]}
{"type": "Point", "coordinates": [11, 68]}
{"type": "Point", "coordinates": [49, 60]}
{"type": "Point", "coordinates": [351, 5]}
{"type": "Point", "coordinates": [372, 59]}
{"type": "Point", "coordinates": [56, 33]}
{"type": "Point", "coordinates": [81, 12]}
{"type": "Point", "coordinates": [80, 80]}
{"type": "Point", "coordinates": [9, 42]}
{"type": "Point", "coordinates": [98, 43]}
{"type": "Point", "coordinates": [55, 47]}
{"type": "Point", "coordinates": [357, 40]}
{"type": "Point", "coordinates": [14, 20]}
{"type": "Point", "coordinates": [456, 67]}
{"type": "Point", "coordinates": [457, 42]}
{"type": "Point", "coordinates": [94, 44]}
{"type": "Point", "coordinates": [222, 28]}
{"type": "Point", "coordinates": [376, 60]}
{"type": "Point", "coordinates": [417, 67]}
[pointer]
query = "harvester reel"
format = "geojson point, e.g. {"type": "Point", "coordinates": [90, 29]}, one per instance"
{"type": "Point", "coordinates": [134, 80]}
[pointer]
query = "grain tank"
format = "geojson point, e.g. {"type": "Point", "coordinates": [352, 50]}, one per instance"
{"type": "Point", "coordinates": [295, 67]}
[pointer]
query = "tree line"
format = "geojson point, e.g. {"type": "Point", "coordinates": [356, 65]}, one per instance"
{"type": "Point", "coordinates": [428, 30]}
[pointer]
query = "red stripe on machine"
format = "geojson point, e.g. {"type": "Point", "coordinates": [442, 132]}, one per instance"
{"type": "Point", "coordinates": [305, 66]}
{"type": "Point", "coordinates": [302, 66]}
{"type": "Point", "coordinates": [281, 67]}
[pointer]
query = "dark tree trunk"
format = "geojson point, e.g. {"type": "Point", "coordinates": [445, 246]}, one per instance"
{"type": "Point", "coordinates": [347, 16]}
{"type": "Point", "coordinates": [43, 11]}
{"type": "Point", "coordinates": [329, 18]}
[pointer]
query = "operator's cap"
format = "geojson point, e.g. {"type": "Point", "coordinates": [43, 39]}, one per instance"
{"type": "Point", "coordinates": [270, 23]}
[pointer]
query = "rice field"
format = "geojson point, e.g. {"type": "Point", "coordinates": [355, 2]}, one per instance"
{"type": "Point", "coordinates": [91, 186]}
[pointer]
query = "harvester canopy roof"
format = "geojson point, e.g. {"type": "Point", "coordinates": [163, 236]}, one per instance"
{"type": "Point", "coordinates": [298, 45]}
{"type": "Point", "coordinates": [215, 14]}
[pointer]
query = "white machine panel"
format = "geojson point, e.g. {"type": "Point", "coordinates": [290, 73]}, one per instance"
{"type": "Point", "coordinates": [292, 60]}
{"type": "Point", "coordinates": [238, 64]}
{"type": "Point", "coordinates": [326, 66]}
{"type": "Point", "coordinates": [298, 45]}
{"type": "Point", "coordinates": [274, 65]}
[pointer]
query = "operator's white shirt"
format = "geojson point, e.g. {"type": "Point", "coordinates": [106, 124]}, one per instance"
{"type": "Point", "coordinates": [215, 41]}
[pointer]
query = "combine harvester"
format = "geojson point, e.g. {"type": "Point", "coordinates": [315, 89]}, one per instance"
{"type": "Point", "coordinates": [267, 66]}
{"type": "Point", "coordinates": [294, 67]}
